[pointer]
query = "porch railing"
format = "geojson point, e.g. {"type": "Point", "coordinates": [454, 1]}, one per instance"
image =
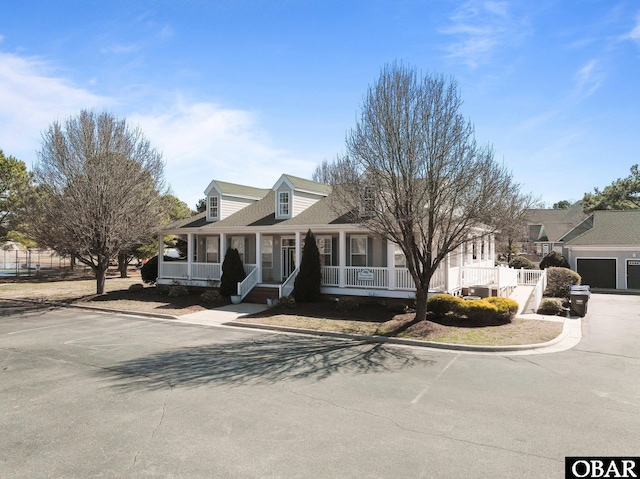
{"type": "Point", "coordinates": [206, 271]}
{"type": "Point", "coordinates": [362, 277]}
{"type": "Point", "coordinates": [174, 270]}
{"type": "Point", "coordinates": [245, 286]}
{"type": "Point", "coordinates": [330, 276]}
{"type": "Point", "coordinates": [286, 288]}
{"type": "Point", "coordinates": [538, 291]}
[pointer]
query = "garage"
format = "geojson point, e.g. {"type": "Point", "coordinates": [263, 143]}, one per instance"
{"type": "Point", "coordinates": [598, 273]}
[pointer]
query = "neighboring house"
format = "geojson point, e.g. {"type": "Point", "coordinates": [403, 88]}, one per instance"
{"type": "Point", "coordinates": [546, 227]}
{"type": "Point", "coordinates": [605, 249]}
{"type": "Point", "coordinates": [268, 228]}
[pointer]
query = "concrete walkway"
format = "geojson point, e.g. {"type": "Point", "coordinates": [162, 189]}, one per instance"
{"type": "Point", "coordinates": [222, 315]}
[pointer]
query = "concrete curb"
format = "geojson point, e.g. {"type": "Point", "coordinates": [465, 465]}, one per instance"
{"type": "Point", "coordinates": [414, 342]}
{"type": "Point", "coordinates": [569, 323]}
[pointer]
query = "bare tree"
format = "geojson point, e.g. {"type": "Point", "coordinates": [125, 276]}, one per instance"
{"type": "Point", "coordinates": [99, 187]}
{"type": "Point", "coordinates": [414, 173]}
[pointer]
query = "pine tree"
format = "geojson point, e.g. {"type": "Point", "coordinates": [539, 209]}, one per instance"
{"type": "Point", "coordinates": [232, 273]}
{"type": "Point", "coordinates": [306, 288]}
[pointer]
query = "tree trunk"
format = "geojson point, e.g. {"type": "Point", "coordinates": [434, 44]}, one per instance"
{"type": "Point", "coordinates": [122, 264]}
{"type": "Point", "coordinates": [72, 262]}
{"type": "Point", "coordinates": [101, 277]}
{"type": "Point", "coordinates": [421, 304]}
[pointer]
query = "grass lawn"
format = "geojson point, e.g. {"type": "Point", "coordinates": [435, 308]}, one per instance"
{"type": "Point", "coordinates": [368, 319]}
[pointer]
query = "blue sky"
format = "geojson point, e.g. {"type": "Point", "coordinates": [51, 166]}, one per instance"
{"type": "Point", "coordinates": [246, 90]}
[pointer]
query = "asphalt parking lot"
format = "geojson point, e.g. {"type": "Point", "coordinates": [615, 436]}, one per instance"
{"type": "Point", "coordinates": [86, 394]}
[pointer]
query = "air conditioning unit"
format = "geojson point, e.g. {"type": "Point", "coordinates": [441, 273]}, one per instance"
{"type": "Point", "coordinates": [480, 291]}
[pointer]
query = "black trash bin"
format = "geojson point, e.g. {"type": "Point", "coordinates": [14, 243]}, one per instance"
{"type": "Point", "coordinates": [579, 296]}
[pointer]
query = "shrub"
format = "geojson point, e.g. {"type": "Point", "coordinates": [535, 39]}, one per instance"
{"type": "Point", "coordinates": [136, 288]}
{"type": "Point", "coordinates": [441, 304]}
{"type": "Point", "coordinates": [287, 302]}
{"type": "Point", "coordinates": [232, 273]}
{"type": "Point", "coordinates": [149, 270]}
{"type": "Point", "coordinates": [559, 282]}
{"type": "Point", "coordinates": [520, 262]}
{"type": "Point", "coordinates": [480, 311]}
{"type": "Point", "coordinates": [211, 296]}
{"type": "Point", "coordinates": [307, 284]}
{"type": "Point", "coordinates": [507, 308]}
{"type": "Point", "coordinates": [162, 289]}
{"type": "Point", "coordinates": [398, 308]}
{"type": "Point", "coordinates": [550, 306]}
{"type": "Point", "coordinates": [347, 304]}
{"type": "Point", "coordinates": [554, 259]}
{"type": "Point", "coordinates": [176, 291]}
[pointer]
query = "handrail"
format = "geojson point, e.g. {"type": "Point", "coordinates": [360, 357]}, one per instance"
{"type": "Point", "coordinates": [245, 286]}
{"type": "Point", "coordinates": [286, 287]}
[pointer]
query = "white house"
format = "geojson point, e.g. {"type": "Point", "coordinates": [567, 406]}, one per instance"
{"type": "Point", "coordinates": [268, 227]}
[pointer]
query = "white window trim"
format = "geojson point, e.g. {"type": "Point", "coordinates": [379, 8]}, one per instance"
{"type": "Point", "coordinates": [327, 240]}
{"type": "Point", "coordinates": [366, 249]}
{"type": "Point", "coordinates": [263, 251]}
{"type": "Point", "coordinates": [240, 240]}
{"type": "Point", "coordinates": [215, 242]}
{"type": "Point", "coordinates": [217, 207]}
{"type": "Point", "coordinates": [281, 204]}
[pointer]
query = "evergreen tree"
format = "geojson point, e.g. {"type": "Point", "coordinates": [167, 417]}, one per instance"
{"type": "Point", "coordinates": [306, 288]}
{"type": "Point", "coordinates": [232, 273]}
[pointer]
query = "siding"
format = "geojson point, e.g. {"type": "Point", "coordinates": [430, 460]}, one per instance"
{"type": "Point", "coordinates": [228, 205]}
{"type": "Point", "coordinates": [302, 201]}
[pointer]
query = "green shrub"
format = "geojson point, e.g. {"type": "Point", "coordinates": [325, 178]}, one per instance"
{"type": "Point", "coordinates": [399, 308]}
{"type": "Point", "coordinates": [211, 296]}
{"type": "Point", "coordinates": [480, 311]}
{"type": "Point", "coordinates": [507, 308]}
{"type": "Point", "coordinates": [136, 288]}
{"type": "Point", "coordinates": [347, 303]}
{"type": "Point", "coordinates": [306, 287]}
{"type": "Point", "coordinates": [554, 259]}
{"type": "Point", "coordinates": [149, 270]}
{"type": "Point", "coordinates": [287, 302]}
{"type": "Point", "coordinates": [550, 306]}
{"type": "Point", "coordinates": [520, 262]}
{"type": "Point", "coordinates": [162, 289]}
{"type": "Point", "coordinates": [176, 291]}
{"type": "Point", "coordinates": [232, 273]}
{"type": "Point", "coordinates": [442, 304]}
{"type": "Point", "coordinates": [559, 282]}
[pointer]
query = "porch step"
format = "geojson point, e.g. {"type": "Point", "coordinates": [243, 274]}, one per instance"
{"type": "Point", "coordinates": [260, 294]}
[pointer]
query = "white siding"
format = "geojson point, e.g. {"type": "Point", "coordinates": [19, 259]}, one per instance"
{"type": "Point", "coordinates": [230, 205]}
{"type": "Point", "coordinates": [302, 201]}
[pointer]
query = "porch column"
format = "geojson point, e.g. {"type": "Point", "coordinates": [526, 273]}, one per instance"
{"type": "Point", "coordinates": [189, 254]}
{"type": "Point", "coordinates": [259, 257]}
{"type": "Point", "coordinates": [223, 246]}
{"type": "Point", "coordinates": [391, 264]}
{"type": "Point", "coordinates": [492, 248]}
{"type": "Point", "coordinates": [298, 248]}
{"type": "Point", "coordinates": [342, 257]}
{"type": "Point", "coordinates": [447, 276]}
{"type": "Point", "coordinates": [160, 255]}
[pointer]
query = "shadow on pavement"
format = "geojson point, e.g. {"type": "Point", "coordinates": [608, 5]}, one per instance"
{"type": "Point", "coordinates": [260, 361]}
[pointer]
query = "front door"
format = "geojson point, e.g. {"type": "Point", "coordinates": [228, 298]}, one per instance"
{"type": "Point", "coordinates": [288, 257]}
{"type": "Point", "coordinates": [633, 274]}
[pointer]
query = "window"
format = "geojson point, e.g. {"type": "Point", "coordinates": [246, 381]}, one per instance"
{"type": "Point", "coordinates": [369, 201]}
{"type": "Point", "coordinates": [474, 252]}
{"type": "Point", "coordinates": [283, 203]}
{"type": "Point", "coordinates": [213, 207]}
{"type": "Point", "coordinates": [267, 252]}
{"type": "Point", "coordinates": [324, 248]}
{"type": "Point", "coordinates": [237, 242]}
{"type": "Point", "coordinates": [358, 250]}
{"type": "Point", "coordinates": [399, 259]}
{"type": "Point", "coordinates": [212, 249]}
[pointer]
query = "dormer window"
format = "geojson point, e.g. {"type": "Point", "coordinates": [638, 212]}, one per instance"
{"type": "Point", "coordinates": [368, 207]}
{"type": "Point", "coordinates": [213, 207]}
{"type": "Point", "coordinates": [283, 203]}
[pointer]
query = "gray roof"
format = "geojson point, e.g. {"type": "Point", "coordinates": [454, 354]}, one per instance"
{"type": "Point", "coordinates": [611, 228]}
{"type": "Point", "coordinates": [308, 185]}
{"type": "Point", "coordinates": [194, 221]}
{"type": "Point", "coordinates": [553, 224]}
{"type": "Point", "coordinates": [327, 211]}
{"type": "Point", "coordinates": [260, 213]}
{"type": "Point", "coordinates": [233, 189]}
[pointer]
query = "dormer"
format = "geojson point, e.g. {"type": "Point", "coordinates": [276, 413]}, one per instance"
{"type": "Point", "coordinates": [224, 199]}
{"type": "Point", "coordinates": [294, 195]}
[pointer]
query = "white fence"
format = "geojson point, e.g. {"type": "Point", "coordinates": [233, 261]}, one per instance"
{"type": "Point", "coordinates": [245, 286]}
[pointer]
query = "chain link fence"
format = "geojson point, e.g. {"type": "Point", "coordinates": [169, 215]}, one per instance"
{"type": "Point", "coordinates": [30, 262]}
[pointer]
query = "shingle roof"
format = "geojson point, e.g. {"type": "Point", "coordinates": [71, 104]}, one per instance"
{"type": "Point", "coordinates": [611, 228]}
{"type": "Point", "coordinates": [308, 185]}
{"type": "Point", "coordinates": [327, 211]}
{"type": "Point", "coordinates": [241, 190]}
{"type": "Point", "coordinates": [260, 213]}
{"type": "Point", "coordinates": [555, 223]}
{"type": "Point", "coordinates": [194, 221]}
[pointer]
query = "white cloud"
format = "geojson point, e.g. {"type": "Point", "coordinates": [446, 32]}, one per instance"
{"type": "Point", "coordinates": [204, 141]}
{"type": "Point", "coordinates": [480, 28]}
{"type": "Point", "coordinates": [588, 79]}
{"type": "Point", "coordinates": [31, 98]}
{"type": "Point", "coordinates": [635, 33]}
